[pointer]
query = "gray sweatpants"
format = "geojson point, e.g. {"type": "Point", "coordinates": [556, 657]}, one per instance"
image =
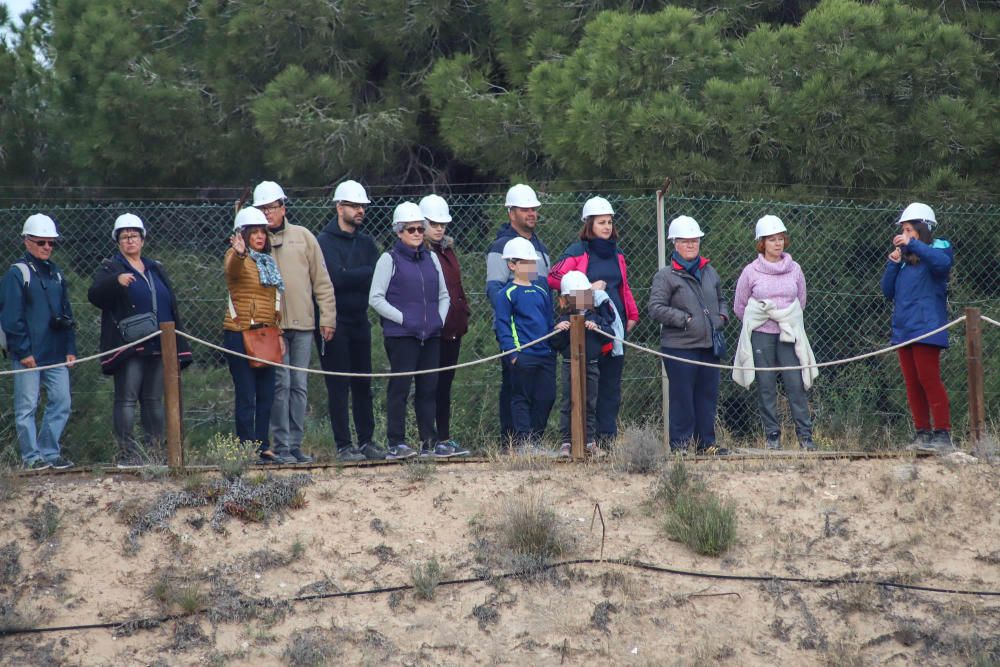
{"type": "Point", "coordinates": [768, 351]}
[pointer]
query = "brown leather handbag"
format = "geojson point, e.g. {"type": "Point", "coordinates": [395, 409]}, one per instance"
{"type": "Point", "coordinates": [264, 343]}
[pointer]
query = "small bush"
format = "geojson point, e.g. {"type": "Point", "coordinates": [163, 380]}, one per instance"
{"type": "Point", "coordinates": [639, 450]}
{"type": "Point", "coordinates": [10, 484]}
{"type": "Point", "coordinates": [189, 598]}
{"type": "Point", "coordinates": [426, 578]}
{"type": "Point", "coordinates": [43, 525]}
{"type": "Point", "coordinates": [229, 455]}
{"type": "Point", "coordinates": [419, 471]}
{"type": "Point", "coordinates": [695, 516]}
{"type": "Point", "coordinates": [10, 564]}
{"type": "Point", "coordinates": [312, 647]}
{"type": "Point", "coordinates": [528, 527]}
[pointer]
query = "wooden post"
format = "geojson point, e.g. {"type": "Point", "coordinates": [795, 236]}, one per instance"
{"type": "Point", "coordinates": [661, 248]}
{"type": "Point", "coordinates": [172, 394]}
{"type": "Point", "coordinates": [578, 385]}
{"type": "Point", "coordinates": [974, 361]}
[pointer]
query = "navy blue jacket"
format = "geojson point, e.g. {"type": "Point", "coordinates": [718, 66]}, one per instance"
{"type": "Point", "coordinates": [497, 273]}
{"type": "Point", "coordinates": [409, 293]}
{"type": "Point", "coordinates": [523, 314]}
{"type": "Point", "coordinates": [26, 313]}
{"type": "Point", "coordinates": [920, 292]}
{"type": "Point", "coordinates": [350, 260]}
{"type": "Point", "coordinates": [596, 344]}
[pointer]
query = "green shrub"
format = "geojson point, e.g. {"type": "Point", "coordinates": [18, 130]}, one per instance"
{"type": "Point", "coordinates": [694, 515]}
{"type": "Point", "coordinates": [426, 578]}
{"type": "Point", "coordinates": [232, 457]}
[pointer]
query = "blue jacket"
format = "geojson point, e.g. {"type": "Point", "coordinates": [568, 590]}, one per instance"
{"type": "Point", "coordinates": [920, 292]}
{"type": "Point", "coordinates": [523, 314]}
{"type": "Point", "coordinates": [596, 344]}
{"type": "Point", "coordinates": [26, 313]}
{"type": "Point", "coordinates": [497, 273]}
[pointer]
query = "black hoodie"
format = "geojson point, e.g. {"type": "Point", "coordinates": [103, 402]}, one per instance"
{"type": "Point", "coordinates": [350, 260]}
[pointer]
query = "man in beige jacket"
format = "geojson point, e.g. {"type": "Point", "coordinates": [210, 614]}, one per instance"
{"type": "Point", "coordinates": [303, 269]}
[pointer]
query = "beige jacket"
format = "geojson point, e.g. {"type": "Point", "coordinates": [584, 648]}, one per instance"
{"type": "Point", "coordinates": [303, 269]}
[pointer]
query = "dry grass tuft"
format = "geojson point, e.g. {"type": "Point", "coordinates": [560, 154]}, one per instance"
{"type": "Point", "coordinates": [638, 450]}
{"type": "Point", "coordinates": [426, 578]}
{"type": "Point", "coordinates": [694, 515]}
{"type": "Point", "coordinates": [44, 524]}
{"type": "Point", "coordinates": [10, 564]}
{"type": "Point", "coordinates": [312, 647]}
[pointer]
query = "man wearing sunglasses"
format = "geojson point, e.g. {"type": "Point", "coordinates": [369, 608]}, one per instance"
{"type": "Point", "coordinates": [38, 322]}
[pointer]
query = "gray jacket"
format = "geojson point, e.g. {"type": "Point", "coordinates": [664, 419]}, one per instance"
{"type": "Point", "coordinates": [674, 304]}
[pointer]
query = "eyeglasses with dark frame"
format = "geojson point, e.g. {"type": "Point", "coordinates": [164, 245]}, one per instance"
{"type": "Point", "coordinates": [414, 230]}
{"type": "Point", "coordinates": [44, 242]}
{"type": "Point", "coordinates": [129, 237]}
{"type": "Point", "coordinates": [271, 207]}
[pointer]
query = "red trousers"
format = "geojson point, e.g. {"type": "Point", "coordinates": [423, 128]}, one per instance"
{"type": "Point", "coordinates": [925, 391]}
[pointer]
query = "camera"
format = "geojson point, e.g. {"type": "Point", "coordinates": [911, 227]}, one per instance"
{"type": "Point", "coordinates": [61, 323]}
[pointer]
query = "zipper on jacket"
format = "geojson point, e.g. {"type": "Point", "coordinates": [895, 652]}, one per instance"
{"type": "Point", "coordinates": [423, 291]}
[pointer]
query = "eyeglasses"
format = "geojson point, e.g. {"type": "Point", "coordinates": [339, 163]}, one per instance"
{"type": "Point", "coordinates": [271, 207]}
{"type": "Point", "coordinates": [44, 243]}
{"type": "Point", "coordinates": [129, 237]}
{"type": "Point", "coordinates": [350, 205]}
{"type": "Point", "coordinates": [414, 230]}
{"type": "Point", "coordinates": [437, 225]}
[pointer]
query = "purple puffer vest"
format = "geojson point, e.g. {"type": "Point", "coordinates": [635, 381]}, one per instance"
{"type": "Point", "coordinates": [413, 290]}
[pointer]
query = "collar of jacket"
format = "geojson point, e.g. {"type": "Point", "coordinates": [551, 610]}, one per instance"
{"type": "Point", "coordinates": [445, 243]}
{"type": "Point", "coordinates": [277, 234]}
{"type": "Point", "coordinates": [677, 267]}
{"type": "Point", "coordinates": [403, 250]}
{"type": "Point", "coordinates": [333, 228]}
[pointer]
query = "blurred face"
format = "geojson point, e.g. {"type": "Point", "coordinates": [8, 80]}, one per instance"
{"type": "Point", "coordinates": [523, 269]}
{"type": "Point", "coordinates": [257, 237]}
{"type": "Point", "coordinates": [523, 220]}
{"type": "Point", "coordinates": [130, 242]}
{"type": "Point", "coordinates": [350, 214]}
{"type": "Point", "coordinates": [38, 247]}
{"type": "Point", "coordinates": [774, 245]}
{"type": "Point", "coordinates": [907, 230]}
{"type": "Point", "coordinates": [603, 226]}
{"type": "Point", "coordinates": [274, 212]}
{"type": "Point", "coordinates": [435, 231]}
{"type": "Point", "coordinates": [412, 234]}
{"type": "Point", "coordinates": [687, 248]}
{"type": "Point", "coordinates": [583, 299]}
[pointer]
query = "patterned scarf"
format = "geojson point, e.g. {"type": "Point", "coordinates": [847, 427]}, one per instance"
{"type": "Point", "coordinates": [691, 266]}
{"type": "Point", "coordinates": [270, 276]}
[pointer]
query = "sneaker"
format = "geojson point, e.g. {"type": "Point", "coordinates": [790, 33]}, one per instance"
{"type": "Point", "coordinates": [38, 464]}
{"type": "Point", "coordinates": [456, 449]}
{"type": "Point", "coordinates": [400, 452]}
{"type": "Point", "coordinates": [268, 457]}
{"type": "Point", "coordinates": [594, 451]}
{"type": "Point", "coordinates": [59, 463]}
{"type": "Point", "coordinates": [807, 444]}
{"type": "Point", "coordinates": [773, 440]}
{"type": "Point", "coordinates": [373, 452]}
{"type": "Point", "coordinates": [712, 450]}
{"type": "Point", "coordinates": [920, 442]}
{"type": "Point", "coordinates": [351, 454]}
{"type": "Point", "coordinates": [941, 442]}
{"type": "Point", "coordinates": [439, 451]}
{"type": "Point", "coordinates": [300, 456]}
{"type": "Point", "coordinates": [566, 450]}
{"type": "Point", "coordinates": [129, 462]}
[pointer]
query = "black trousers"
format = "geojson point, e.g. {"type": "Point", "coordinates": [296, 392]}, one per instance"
{"type": "Point", "coordinates": [407, 353]}
{"type": "Point", "coordinates": [506, 419]}
{"type": "Point", "coordinates": [350, 350]}
{"type": "Point", "coordinates": [609, 396]}
{"type": "Point", "coordinates": [449, 357]}
{"type": "Point", "coordinates": [533, 393]}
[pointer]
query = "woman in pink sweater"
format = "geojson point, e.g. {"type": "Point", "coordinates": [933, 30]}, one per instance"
{"type": "Point", "coordinates": [776, 277]}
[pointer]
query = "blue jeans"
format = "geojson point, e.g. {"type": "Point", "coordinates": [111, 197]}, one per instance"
{"type": "Point", "coordinates": [694, 396]}
{"type": "Point", "coordinates": [288, 416]}
{"type": "Point", "coordinates": [254, 389]}
{"type": "Point", "coordinates": [41, 444]}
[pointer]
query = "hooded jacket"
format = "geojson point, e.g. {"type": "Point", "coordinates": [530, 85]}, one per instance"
{"type": "Point", "coordinates": [457, 323]}
{"type": "Point", "coordinates": [920, 292]}
{"type": "Point", "coordinates": [577, 258]}
{"type": "Point", "coordinates": [674, 304]}
{"type": "Point", "coordinates": [350, 261]}
{"type": "Point", "coordinates": [497, 273]}
{"type": "Point", "coordinates": [26, 313]}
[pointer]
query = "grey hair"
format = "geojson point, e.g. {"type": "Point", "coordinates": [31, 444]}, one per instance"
{"type": "Point", "coordinates": [397, 227]}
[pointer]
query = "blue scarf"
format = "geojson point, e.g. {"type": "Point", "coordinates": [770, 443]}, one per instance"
{"type": "Point", "coordinates": [270, 276]}
{"type": "Point", "coordinates": [604, 248]}
{"type": "Point", "coordinates": [693, 266]}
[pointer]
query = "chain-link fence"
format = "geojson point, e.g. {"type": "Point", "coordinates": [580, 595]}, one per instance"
{"type": "Point", "coordinates": [841, 246]}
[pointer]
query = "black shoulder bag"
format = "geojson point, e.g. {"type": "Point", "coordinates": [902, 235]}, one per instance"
{"type": "Point", "coordinates": [718, 340]}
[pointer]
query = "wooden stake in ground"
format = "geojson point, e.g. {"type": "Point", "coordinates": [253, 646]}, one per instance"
{"type": "Point", "coordinates": [974, 361]}
{"type": "Point", "coordinates": [578, 385]}
{"type": "Point", "coordinates": [172, 394]}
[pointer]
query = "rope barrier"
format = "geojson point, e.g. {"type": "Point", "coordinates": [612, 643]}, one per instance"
{"type": "Point", "coordinates": [990, 320]}
{"type": "Point", "coordinates": [316, 371]}
{"type": "Point", "coordinates": [823, 364]}
{"type": "Point", "coordinates": [82, 359]}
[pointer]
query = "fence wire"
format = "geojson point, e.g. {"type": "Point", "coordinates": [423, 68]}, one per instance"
{"type": "Point", "coordinates": [841, 246]}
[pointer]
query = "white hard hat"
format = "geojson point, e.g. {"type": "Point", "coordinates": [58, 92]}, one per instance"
{"type": "Point", "coordinates": [769, 224]}
{"type": "Point", "coordinates": [917, 212]}
{"type": "Point", "coordinates": [684, 227]}
{"type": "Point", "coordinates": [435, 208]}
{"type": "Point", "coordinates": [404, 213]}
{"type": "Point", "coordinates": [596, 206]}
{"type": "Point", "coordinates": [267, 192]}
{"type": "Point", "coordinates": [519, 248]}
{"type": "Point", "coordinates": [574, 281]}
{"type": "Point", "coordinates": [40, 225]}
{"type": "Point", "coordinates": [249, 217]}
{"type": "Point", "coordinates": [521, 196]}
{"type": "Point", "coordinates": [351, 191]}
{"type": "Point", "coordinates": [127, 221]}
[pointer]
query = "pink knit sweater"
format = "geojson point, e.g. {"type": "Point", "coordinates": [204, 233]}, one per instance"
{"type": "Point", "coordinates": [781, 282]}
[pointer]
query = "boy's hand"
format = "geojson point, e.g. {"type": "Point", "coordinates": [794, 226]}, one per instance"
{"type": "Point", "coordinates": [562, 326]}
{"type": "Point", "coordinates": [590, 325]}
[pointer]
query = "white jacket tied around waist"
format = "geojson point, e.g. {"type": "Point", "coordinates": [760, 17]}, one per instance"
{"type": "Point", "coordinates": [792, 331]}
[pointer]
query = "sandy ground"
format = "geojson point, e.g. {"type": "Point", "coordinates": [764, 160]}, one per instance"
{"type": "Point", "coordinates": [929, 522]}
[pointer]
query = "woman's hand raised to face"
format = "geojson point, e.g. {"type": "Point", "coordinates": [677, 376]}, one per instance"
{"type": "Point", "coordinates": [238, 244]}
{"type": "Point", "coordinates": [895, 255]}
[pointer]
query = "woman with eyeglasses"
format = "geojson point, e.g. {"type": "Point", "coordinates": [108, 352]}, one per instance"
{"type": "Point", "coordinates": [410, 295]}
{"type": "Point", "coordinates": [135, 295]}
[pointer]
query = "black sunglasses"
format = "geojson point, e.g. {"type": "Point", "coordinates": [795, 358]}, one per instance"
{"type": "Point", "coordinates": [414, 230]}
{"type": "Point", "coordinates": [51, 244]}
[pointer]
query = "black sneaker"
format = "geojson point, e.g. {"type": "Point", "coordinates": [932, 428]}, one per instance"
{"type": "Point", "coordinates": [38, 464]}
{"type": "Point", "coordinates": [773, 440]}
{"type": "Point", "coordinates": [807, 444]}
{"type": "Point", "coordinates": [300, 456]}
{"type": "Point", "coordinates": [456, 449]}
{"type": "Point", "coordinates": [921, 441]}
{"type": "Point", "coordinates": [373, 452]}
{"type": "Point", "coordinates": [941, 442]}
{"type": "Point", "coordinates": [59, 463]}
{"type": "Point", "coordinates": [268, 457]}
{"type": "Point", "coordinates": [350, 455]}
{"type": "Point", "coordinates": [400, 452]}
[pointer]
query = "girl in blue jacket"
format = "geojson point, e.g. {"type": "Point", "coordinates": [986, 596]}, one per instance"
{"type": "Point", "coordinates": [916, 280]}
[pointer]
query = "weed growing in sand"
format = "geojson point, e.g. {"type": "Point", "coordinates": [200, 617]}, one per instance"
{"type": "Point", "coordinates": [529, 527]}
{"type": "Point", "coordinates": [695, 516]}
{"type": "Point", "coordinates": [312, 647]}
{"type": "Point", "coordinates": [225, 451]}
{"type": "Point", "coordinates": [419, 471]}
{"type": "Point", "coordinates": [189, 598]}
{"type": "Point", "coordinates": [43, 525]}
{"type": "Point", "coordinates": [10, 484]}
{"type": "Point", "coordinates": [426, 578]}
{"type": "Point", "coordinates": [10, 564]}
{"type": "Point", "coordinates": [298, 548]}
{"type": "Point", "coordinates": [639, 450]}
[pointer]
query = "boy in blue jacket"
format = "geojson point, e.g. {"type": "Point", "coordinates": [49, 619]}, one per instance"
{"type": "Point", "coordinates": [522, 313]}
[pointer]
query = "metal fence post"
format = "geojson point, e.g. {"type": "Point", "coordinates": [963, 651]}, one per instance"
{"type": "Point", "coordinates": [661, 249]}
{"type": "Point", "coordinates": [974, 361]}
{"type": "Point", "coordinates": [578, 385]}
{"type": "Point", "coordinates": [172, 394]}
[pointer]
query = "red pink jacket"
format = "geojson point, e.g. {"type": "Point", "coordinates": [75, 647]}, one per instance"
{"type": "Point", "coordinates": [576, 258]}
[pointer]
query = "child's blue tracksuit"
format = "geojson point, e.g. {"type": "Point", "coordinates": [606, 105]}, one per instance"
{"type": "Point", "coordinates": [523, 314]}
